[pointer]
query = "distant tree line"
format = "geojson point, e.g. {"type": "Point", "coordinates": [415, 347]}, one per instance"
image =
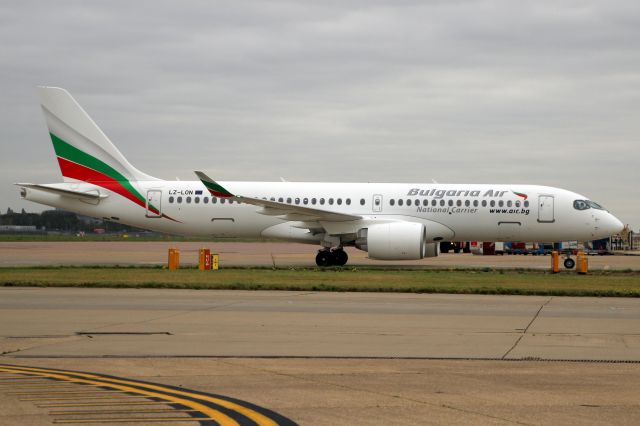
{"type": "Point", "coordinates": [60, 220]}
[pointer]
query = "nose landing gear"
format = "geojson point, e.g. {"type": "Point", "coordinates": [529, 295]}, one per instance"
{"type": "Point", "coordinates": [336, 257]}
{"type": "Point", "coordinates": [569, 263]}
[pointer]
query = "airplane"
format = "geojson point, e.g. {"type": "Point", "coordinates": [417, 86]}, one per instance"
{"type": "Point", "coordinates": [389, 221]}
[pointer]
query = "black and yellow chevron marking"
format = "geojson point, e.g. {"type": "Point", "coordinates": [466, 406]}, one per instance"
{"type": "Point", "coordinates": [80, 397]}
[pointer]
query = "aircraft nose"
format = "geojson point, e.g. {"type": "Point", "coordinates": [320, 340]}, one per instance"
{"type": "Point", "coordinates": [612, 224]}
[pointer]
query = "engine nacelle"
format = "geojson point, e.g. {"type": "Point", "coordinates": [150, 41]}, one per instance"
{"type": "Point", "coordinates": [394, 241]}
{"type": "Point", "coordinates": [431, 249]}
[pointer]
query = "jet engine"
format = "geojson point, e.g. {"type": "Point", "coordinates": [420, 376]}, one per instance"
{"type": "Point", "coordinates": [431, 249]}
{"type": "Point", "coordinates": [396, 241]}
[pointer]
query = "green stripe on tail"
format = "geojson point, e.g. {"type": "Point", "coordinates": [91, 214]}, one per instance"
{"type": "Point", "coordinates": [71, 153]}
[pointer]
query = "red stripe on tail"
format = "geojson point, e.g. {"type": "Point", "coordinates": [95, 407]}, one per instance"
{"type": "Point", "coordinates": [76, 171]}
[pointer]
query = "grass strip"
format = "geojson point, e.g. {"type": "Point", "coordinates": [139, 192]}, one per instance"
{"type": "Point", "coordinates": [478, 281]}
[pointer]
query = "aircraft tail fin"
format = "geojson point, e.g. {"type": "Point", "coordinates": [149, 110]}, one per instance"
{"type": "Point", "coordinates": [84, 152]}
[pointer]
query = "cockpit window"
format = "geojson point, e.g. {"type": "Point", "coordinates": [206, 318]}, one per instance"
{"type": "Point", "coordinates": [594, 205]}
{"type": "Point", "coordinates": [580, 205]}
{"type": "Point", "coordinates": [586, 204]}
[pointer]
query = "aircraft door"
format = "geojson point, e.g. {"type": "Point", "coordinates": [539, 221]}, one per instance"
{"type": "Point", "coordinates": [377, 203]}
{"type": "Point", "coordinates": [545, 209]}
{"type": "Point", "coordinates": [154, 203]}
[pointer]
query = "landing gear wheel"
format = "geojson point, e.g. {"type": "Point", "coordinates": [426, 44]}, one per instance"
{"type": "Point", "coordinates": [340, 257]}
{"type": "Point", "coordinates": [325, 258]}
{"type": "Point", "coordinates": [569, 263]}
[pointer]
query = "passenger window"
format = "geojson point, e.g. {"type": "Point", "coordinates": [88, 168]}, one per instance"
{"type": "Point", "coordinates": [425, 202]}
{"type": "Point", "coordinates": [314, 201]}
{"type": "Point", "coordinates": [517, 203]}
{"type": "Point", "coordinates": [459, 203]}
{"type": "Point", "coordinates": [196, 200]}
{"type": "Point", "coordinates": [526, 203]}
{"type": "Point", "coordinates": [214, 200]}
{"type": "Point", "coordinates": [331, 201]}
{"type": "Point", "coordinates": [475, 203]}
{"type": "Point", "coordinates": [339, 201]}
{"type": "Point", "coordinates": [400, 202]}
{"type": "Point", "coordinates": [492, 203]}
{"type": "Point", "coordinates": [188, 200]}
{"type": "Point", "coordinates": [362, 202]}
{"type": "Point", "coordinates": [416, 202]}
{"type": "Point", "coordinates": [391, 202]}
{"type": "Point", "coordinates": [484, 203]}
{"type": "Point", "coordinates": [442, 203]}
{"type": "Point", "coordinates": [170, 200]}
{"type": "Point", "coordinates": [288, 200]}
{"type": "Point", "coordinates": [348, 201]}
{"type": "Point", "coordinates": [467, 203]}
{"type": "Point", "coordinates": [509, 203]}
{"type": "Point", "coordinates": [222, 200]}
{"type": "Point", "coordinates": [280, 200]}
{"type": "Point", "coordinates": [322, 201]}
{"type": "Point", "coordinates": [500, 203]}
{"type": "Point", "coordinates": [450, 203]}
{"type": "Point", "coordinates": [179, 200]}
{"type": "Point", "coordinates": [272, 198]}
{"type": "Point", "coordinates": [305, 201]}
{"type": "Point", "coordinates": [434, 203]}
{"type": "Point", "coordinates": [297, 200]}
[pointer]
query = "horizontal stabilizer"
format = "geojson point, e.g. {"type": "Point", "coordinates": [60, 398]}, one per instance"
{"type": "Point", "coordinates": [93, 195]}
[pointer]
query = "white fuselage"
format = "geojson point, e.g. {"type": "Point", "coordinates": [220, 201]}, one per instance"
{"type": "Point", "coordinates": [391, 221]}
{"type": "Point", "coordinates": [450, 212]}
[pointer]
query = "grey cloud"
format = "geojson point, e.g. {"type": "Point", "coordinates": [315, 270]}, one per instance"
{"type": "Point", "coordinates": [488, 91]}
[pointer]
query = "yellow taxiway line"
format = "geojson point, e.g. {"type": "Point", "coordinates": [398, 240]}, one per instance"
{"type": "Point", "coordinates": [124, 391]}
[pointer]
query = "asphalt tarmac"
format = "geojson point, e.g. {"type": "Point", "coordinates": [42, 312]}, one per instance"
{"type": "Point", "coordinates": [254, 254]}
{"type": "Point", "coordinates": [346, 358]}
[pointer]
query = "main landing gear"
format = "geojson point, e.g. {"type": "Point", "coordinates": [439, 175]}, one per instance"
{"type": "Point", "coordinates": [336, 257]}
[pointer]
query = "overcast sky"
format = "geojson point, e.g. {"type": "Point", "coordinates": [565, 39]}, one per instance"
{"type": "Point", "coordinates": [539, 92]}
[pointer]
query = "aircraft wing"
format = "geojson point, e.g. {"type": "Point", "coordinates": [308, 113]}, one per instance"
{"type": "Point", "coordinates": [94, 195]}
{"type": "Point", "coordinates": [290, 212]}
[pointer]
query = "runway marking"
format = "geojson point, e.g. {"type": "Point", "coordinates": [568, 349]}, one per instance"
{"type": "Point", "coordinates": [80, 398]}
{"type": "Point", "coordinates": [135, 420]}
{"type": "Point", "coordinates": [200, 407]}
{"type": "Point", "coordinates": [100, 404]}
{"type": "Point", "coordinates": [11, 379]}
{"type": "Point", "coordinates": [40, 384]}
{"type": "Point", "coordinates": [134, 411]}
{"type": "Point", "coordinates": [64, 392]}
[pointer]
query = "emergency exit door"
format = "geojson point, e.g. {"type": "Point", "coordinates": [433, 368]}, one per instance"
{"type": "Point", "coordinates": [154, 203]}
{"type": "Point", "coordinates": [545, 209]}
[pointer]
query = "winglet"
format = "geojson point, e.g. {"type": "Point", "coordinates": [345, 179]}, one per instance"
{"type": "Point", "coordinates": [214, 188]}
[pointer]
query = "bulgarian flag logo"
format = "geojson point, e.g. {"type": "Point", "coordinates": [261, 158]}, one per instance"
{"type": "Point", "coordinates": [521, 195]}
